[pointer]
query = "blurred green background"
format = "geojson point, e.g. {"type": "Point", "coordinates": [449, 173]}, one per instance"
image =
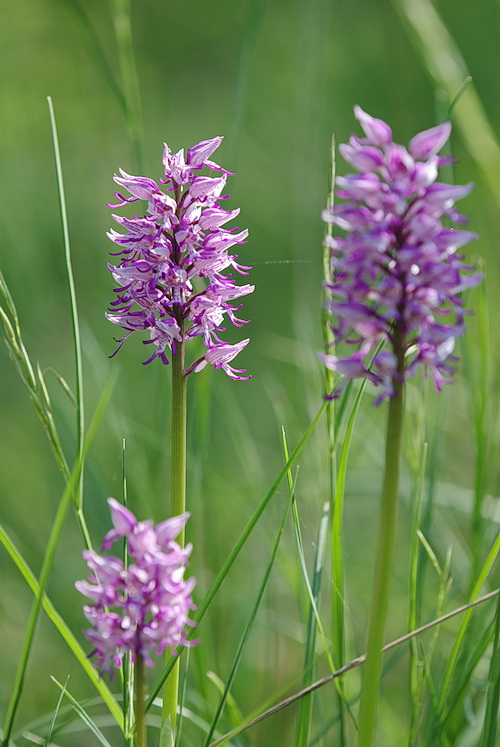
{"type": "Point", "coordinates": [276, 78]}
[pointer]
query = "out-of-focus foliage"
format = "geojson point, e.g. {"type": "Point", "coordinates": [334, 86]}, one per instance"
{"type": "Point", "coordinates": [276, 78]}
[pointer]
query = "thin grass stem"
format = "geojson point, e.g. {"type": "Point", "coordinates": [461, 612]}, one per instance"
{"type": "Point", "coordinates": [178, 502]}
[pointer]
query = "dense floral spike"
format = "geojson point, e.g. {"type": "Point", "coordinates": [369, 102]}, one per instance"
{"type": "Point", "coordinates": [171, 280]}
{"type": "Point", "coordinates": [143, 607]}
{"type": "Point", "coordinates": [398, 264]}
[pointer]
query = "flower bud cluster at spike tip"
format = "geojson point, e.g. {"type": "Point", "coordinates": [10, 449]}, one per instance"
{"type": "Point", "coordinates": [143, 607]}
{"type": "Point", "coordinates": [171, 280]}
{"type": "Point", "coordinates": [398, 265]}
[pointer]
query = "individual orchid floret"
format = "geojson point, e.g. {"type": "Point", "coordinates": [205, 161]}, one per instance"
{"type": "Point", "coordinates": [142, 607]}
{"type": "Point", "coordinates": [171, 276]}
{"type": "Point", "coordinates": [396, 273]}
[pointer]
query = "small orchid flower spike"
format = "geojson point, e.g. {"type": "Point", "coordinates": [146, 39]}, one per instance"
{"type": "Point", "coordinates": [144, 607]}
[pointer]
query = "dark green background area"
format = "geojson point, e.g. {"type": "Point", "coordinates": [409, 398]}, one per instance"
{"type": "Point", "coordinates": [276, 78]}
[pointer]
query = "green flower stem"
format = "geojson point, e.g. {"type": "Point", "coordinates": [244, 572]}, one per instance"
{"type": "Point", "coordinates": [141, 736]}
{"type": "Point", "coordinates": [178, 505]}
{"type": "Point", "coordinates": [385, 554]}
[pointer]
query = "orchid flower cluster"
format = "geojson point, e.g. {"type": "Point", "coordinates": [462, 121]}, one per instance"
{"type": "Point", "coordinates": [150, 594]}
{"type": "Point", "coordinates": [396, 273]}
{"type": "Point", "coordinates": [171, 279]}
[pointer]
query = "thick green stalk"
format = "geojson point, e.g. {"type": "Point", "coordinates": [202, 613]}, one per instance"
{"type": "Point", "coordinates": [178, 504]}
{"type": "Point", "coordinates": [141, 735]}
{"type": "Point", "coordinates": [385, 553]}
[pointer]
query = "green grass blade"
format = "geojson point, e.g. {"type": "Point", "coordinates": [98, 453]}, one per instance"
{"type": "Point", "coordinates": [248, 626]}
{"type": "Point", "coordinates": [198, 616]}
{"type": "Point", "coordinates": [61, 626]}
{"type": "Point", "coordinates": [305, 711]}
{"type": "Point", "coordinates": [481, 403]}
{"type": "Point", "coordinates": [447, 66]}
{"type": "Point", "coordinates": [122, 18]}
{"type": "Point", "coordinates": [302, 560]}
{"type": "Point", "coordinates": [56, 712]}
{"type": "Point", "coordinates": [48, 562]}
{"type": "Point", "coordinates": [96, 50]}
{"type": "Point", "coordinates": [415, 679]}
{"type": "Point", "coordinates": [490, 725]}
{"type": "Point", "coordinates": [450, 669]}
{"type": "Point", "coordinates": [359, 661]}
{"type": "Point", "coordinates": [82, 713]}
{"type": "Point", "coordinates": [80, 411]}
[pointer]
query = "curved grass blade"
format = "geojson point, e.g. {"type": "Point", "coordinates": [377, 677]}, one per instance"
{"type": "Point", "coordinates": [248, 626]}
{"type": "Point", "coordinates": [47, 564]}
{"type": "Point", "coordinates": [447, 66]}
{"type": "Point", "coordinates": [415, 578]}
{"type": "Point", "coordinates": [452, 662]}
{"type": "Point", "coordinates": [75, 324]}
{"type": "Point", "coordinates": [305, 711]}
{"type": "Point", "coordinates": [352, 665]}
{"type": "Point", "coordinates": [96, 48]}
{"type": "Point", "coordinates": [200, 612]}
{"type": "Point", "coordinates": [122, 12]}
{"type": "Point", "coordinates": [82, 713]}
{"type": "Point", "coordinates": [490, 725]}
{"type": "Point", "coordinates": [234, 712]}
{"type": "Point", "coordinates": [56, 712]}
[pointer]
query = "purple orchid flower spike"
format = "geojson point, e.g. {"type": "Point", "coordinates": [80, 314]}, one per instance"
{"type": "Point", "coordinates": [144, 607]}
{"type": "Point", "coordinates": [171, 279]}
{"type": "Point", "coordinates": [398, 265]}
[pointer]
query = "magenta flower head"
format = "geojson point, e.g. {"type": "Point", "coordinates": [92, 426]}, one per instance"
{"type": "Point", "coordinates": [397, 276]}
{"type": "Point", "coordinates": [171, 278]}
{"type": "Point", "coordinates": [144, 606]}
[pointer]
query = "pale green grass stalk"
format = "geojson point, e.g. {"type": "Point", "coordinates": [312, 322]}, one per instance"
{"type": "Point", "coordinates": [306, 704]}
{"type": "Point", "coordinates": [461, 636]}
{"type": "Point", "coordinates": [480, 402]}
{"type": "Point", "coordinates": [490, 724]}
{"type": "Point", "coordinates": [79, 401]}
{"type": "Point", "coordinates": [249, 624]}
{"type": "Point", "coordinates": [97, 52]}
{"type": "Point", "coordinates": [182, 700]}
{"type": "Point", "coordinates": [233, 710]}
{"type": "Point", "coordinates": [200, 612]}
{"type": "Point", "coordinates": [415, 664]}
{"type": "Point", "coordinates": [47, 565]}
{"type": "Point", "coordinates": [82, 713]}
{"type": "Point", "coordinates": [56, 713]}
{"type": "Point", "coordinates": [360, 660]}
{"type": "Point", "coordinates": [446, 64]}
{"type": "Point", "coordinates": [51, 612]}
{"type": "Point", "coordinates": [127, 670]}
{"type": "Point", "coordinates": [313, 601]}
{"type": "Point", "coordinates": [122, 19]}
{"type": "Point", "coordinates": [178, 502]}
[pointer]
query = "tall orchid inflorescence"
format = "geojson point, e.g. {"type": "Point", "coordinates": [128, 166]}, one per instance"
{"type": "Point", "coordinates": [397, 276]}
{"type": "Point", "coordinates": [171, 276]}
{"type": "Point", "coordinates": [144, 606]}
